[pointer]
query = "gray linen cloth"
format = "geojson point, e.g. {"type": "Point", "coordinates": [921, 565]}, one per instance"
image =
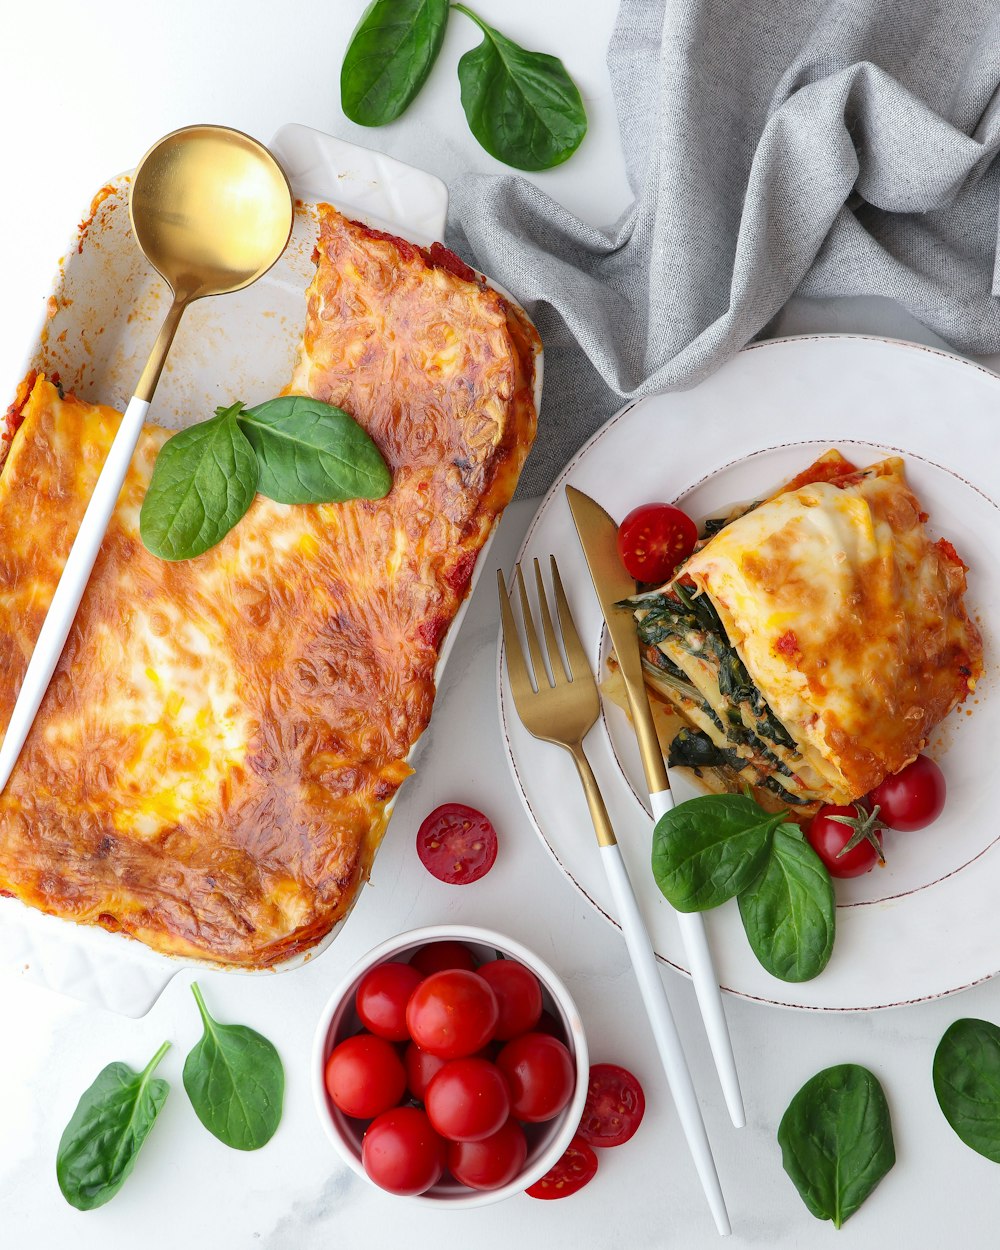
{"type": "Point", "coordinates": [775, 147]}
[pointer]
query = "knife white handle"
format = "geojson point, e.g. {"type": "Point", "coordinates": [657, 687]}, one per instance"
{"type": "Point", "coordinates": [706, 987]}
{"type": "Point", "coordinates": [668, 1043]}
{"type": "Point", "coordinates": [72, 583]}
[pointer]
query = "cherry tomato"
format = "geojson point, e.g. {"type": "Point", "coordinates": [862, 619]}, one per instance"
{"type": "Point", "coordinates": [452, 1013]}
{"type": "Point", "coordinates": [539, 1071]}
{"type": "Point", "coordinates": [614, 1107]}
{"type": "Point", "coordinates": [576, 1168]}
{"type": "Point", "coordinates": [913, 797]}
{"type": "Point", "coordinates": [492, 1162]}
{"type": "Point", "coordinates": [401, 1152]}
{"type": "Point", "coordinates": [468, 1100]}
{"type": "Point", "coordinates": [519, 996]}
{"type": "Point", "coordinates": [828, 835]}
{"type": "Point", "coordinates": [365, 1076]}
{"type": "Point", "coordinates": [457, 844]}
{"type": "Point", "coordinates": [421, 1068]}
{"type": "Point", "coordinates": [439, 956]}
{"type": "Point", "coordinates": [653, 539]}
{"type": "Point", "coordinates": [382, 997]}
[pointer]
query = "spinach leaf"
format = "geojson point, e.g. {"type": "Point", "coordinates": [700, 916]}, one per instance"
{"type": "Point", "coordinates": [836, 1140]}
{"type": "Point", "coordinates": [391, 52]}
{"type": "Point", "coordinates": [235, 1081]}
{"type": "Point", "coordinates": [789, 912]}
{"type": "Point", "coordinates": [708, 849]}
{"type": "Point", "coordinates": [203, 481]}
{"type": "Point", "coordinates": [522, 106]}
{"type": "Point", "coordinates": [99, 1145]}
{"type": "Point", "coordinates": [967, 1083]}
{"type": "Point", "coordinates": [311, 452]}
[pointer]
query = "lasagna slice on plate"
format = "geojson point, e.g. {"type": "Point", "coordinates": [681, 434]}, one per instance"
{"type": "Point", "coordinates": [813, 640]}
{"type": "Point", "coordinates": [213, 765]}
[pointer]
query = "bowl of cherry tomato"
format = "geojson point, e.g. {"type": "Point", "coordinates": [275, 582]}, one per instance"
{"type": "Point", "coordinates": [450, 1066]}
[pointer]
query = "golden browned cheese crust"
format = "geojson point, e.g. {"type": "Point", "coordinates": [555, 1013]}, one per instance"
{"type": "Point", "coordinates": [211, 768]}
{"type": "Point", "coordinates": [849, 619]}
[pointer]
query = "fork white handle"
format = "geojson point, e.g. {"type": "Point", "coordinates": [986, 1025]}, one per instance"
{"type": "Point", "coordinates": [668, 1043]}
{"type": "Point", "coordinates": [69, 591]}
{"type": "Point", "coordinates": [706, 988]}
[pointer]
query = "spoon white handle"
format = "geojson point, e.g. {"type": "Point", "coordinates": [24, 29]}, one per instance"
{"type": "Point", "coordinates": [71, 585]}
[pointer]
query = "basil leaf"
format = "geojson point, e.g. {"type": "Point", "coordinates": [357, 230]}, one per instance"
{"type": "Point", "coordinates": [203, 481]}
{"type": "Point", "coordinates": [789, 912]}
{"type": "Point", "coordinates": [522, 106]}
{"type": "Point", "coordinates": [967, 1083]}
{"type": "Point", "coordinates": [311, 452]}
{"type": "Point", "coordinates": [99, 1145]}
{"type": "Point", "coordinates": [391, 52]}
{"type": "Point", "coordinates": [235, 1081]}
{"type": "Point", "coordinates": [836, 1140]}
{"type": "Point", "coordinates": [708, 849]}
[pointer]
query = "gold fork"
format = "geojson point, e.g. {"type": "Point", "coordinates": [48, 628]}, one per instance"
{"type": "Point", "coordinates": [562, 709]}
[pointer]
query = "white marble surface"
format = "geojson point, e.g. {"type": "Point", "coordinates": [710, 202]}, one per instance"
{"type": "Point", "coordinates": [84, 90]}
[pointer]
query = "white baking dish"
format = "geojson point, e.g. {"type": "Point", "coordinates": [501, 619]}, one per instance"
{"type": "Point", "coordinates": [101, 319]}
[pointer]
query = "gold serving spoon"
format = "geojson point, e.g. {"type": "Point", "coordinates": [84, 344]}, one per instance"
{"type": "Point", "coordinates": [212, 211]}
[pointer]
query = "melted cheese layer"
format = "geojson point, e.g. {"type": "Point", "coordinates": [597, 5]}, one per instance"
{"type": "Point", "coordinates": [850, 621]}
{"type": "Point", "coordinates": [212, 766]}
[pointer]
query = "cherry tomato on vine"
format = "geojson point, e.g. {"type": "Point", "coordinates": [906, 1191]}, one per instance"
{"type": "Point", "coordinates": [401, 1152]}
{"type": "Point", "coordinates": [519, 996]}
{"type": "Point", "coordinates": [576, 1168]}
{"type": "Point", "coordinates": [365, 1076]}
{"type": "Point", "coordinates": [831, 833]}
{"type": "Point", "coordinates": [452, 1013]}
{"type": "Point", "coordinates": [913, 797]}
{"type": "Point", "coordinates": [614, 1108]}
{"type": "Point", "coordinates": [653, 539]}
{"type": "Point", "coordinates": [539, 1071]}
{"type": "Point", "coordinates": [382, 997]}
{"type": "Point", "coordinates": [492, 1162]}
{"type": "Point", "coordinates": [439, 956]}
{"type": "Point", "coordinates": [457, 844]}
{"type": "Point", "coordinates": [468, 1100]}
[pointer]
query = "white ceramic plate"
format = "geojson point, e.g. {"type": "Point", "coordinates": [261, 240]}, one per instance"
{"type": "Point", "coordinates": [929, 923]}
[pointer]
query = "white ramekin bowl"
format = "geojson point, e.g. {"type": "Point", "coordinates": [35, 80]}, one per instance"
{"type": "Point", "coordinates": [546, 1142]}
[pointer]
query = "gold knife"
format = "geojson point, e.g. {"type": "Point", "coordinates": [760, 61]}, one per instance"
{"type": "Point", "coordinates": [598, 535]}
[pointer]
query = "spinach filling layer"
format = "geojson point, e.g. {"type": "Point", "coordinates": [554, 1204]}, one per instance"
{"type": "Point", "coordinates": [762, 752]}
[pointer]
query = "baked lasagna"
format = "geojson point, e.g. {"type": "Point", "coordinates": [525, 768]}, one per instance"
{"type": "Point", "coordinates": [213, 765]}
{"type": "Point", "coordinates": [813, 639]}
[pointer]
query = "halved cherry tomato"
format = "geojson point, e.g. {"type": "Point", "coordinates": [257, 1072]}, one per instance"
{"type": "Point", "coordinates": [614, 1107]}
{"type": "Point", "coordinates": [468, 1100]}
{"type": "Point", "coordinates": [365, 1076]}
{"type": "Point", "coordinates": [382, 997]}
{"type": "Point", "coordinates": [457, 844]}
{"type": "Point", "coordinates": [913, 797]}
{"type": "Point", "coordinates": [401, 1152]}
{"type": "Point", "coordinates": [831, 831]}
{"type": "Point", "coordinates": [452, 1013]}
{"type": "Point", "coordinates": [492, 1162]}
{"type": "Point", "coordinates": [539, 1071]}
{"type": "Point", "coordinates": [576, 1168]}
{"type": "Point", "coordinates": [518, 994]}
{"type": "Point", "coordinates": [439, 956]}
{"type": "Point", "coordinates": [653, 539]}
